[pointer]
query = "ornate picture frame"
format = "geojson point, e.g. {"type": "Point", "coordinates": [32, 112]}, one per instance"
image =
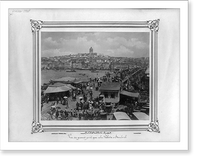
{"type": "Point", "coordinates": [151, 125]}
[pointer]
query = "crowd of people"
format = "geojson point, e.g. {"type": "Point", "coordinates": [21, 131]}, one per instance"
{"type": "Point", "coordinates": [91, 109]}
{"type": "Point", "coordinates": [87, 106]}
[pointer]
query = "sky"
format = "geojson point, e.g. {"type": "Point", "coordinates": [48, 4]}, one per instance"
{"type": "Point", "coordinates": [118, 44]}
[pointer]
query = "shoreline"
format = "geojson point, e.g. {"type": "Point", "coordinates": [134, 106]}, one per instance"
{"type": "Point", "coordinates": [47, 75]}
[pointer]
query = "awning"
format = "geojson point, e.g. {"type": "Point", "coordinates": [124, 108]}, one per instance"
{"type": "Point", "coordinates": [121, 116]}
{"type": "Point", "coordinates": [61, 85]}
{"type": "Point", "coordinates": [57, 89]}
{"type": "Point", "coordinates": [65, 79]}
{"type": "Point", "coordinates": [147, 71]}
{"type": "Point", "coordinates": [130, 94]}
{"type": "Point", "coordinates": [141, 116]}
{"type": "Point", "coordinates": [81, 80]}
{"type": "Point", "coordinates": [70, 86]}
{"type": "Point", "coordinates": [57, 85]}
{"type": "Point", "coordinates": [78, 81]}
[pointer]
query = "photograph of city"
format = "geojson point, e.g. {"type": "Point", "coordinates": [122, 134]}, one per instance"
{"type": "Point", "coordinates": [95, 75]}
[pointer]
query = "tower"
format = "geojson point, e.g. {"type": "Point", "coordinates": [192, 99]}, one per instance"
{"type": "Point", "coordinates": [91, 50]}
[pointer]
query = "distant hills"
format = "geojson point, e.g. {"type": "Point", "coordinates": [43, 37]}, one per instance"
{"type": "Point", "coordinates": [91, 61]}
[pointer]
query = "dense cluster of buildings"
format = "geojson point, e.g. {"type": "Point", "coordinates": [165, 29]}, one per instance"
{"type": "Point", "coordinates": [119, 94]}
{"type": "Point", "coordinates": [91, 60]}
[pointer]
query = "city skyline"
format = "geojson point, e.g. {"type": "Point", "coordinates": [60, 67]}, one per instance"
{"type": "Point", "coordinates": [115, 44]}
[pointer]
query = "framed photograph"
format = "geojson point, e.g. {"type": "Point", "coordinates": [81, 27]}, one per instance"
{"type": "Point", "coordinates": [95, 75]}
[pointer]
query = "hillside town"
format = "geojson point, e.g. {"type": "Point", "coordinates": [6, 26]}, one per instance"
{"type": "Point", "coordinates": [91, 60]}
{"type": "Point", "coordinates": [92, 86]}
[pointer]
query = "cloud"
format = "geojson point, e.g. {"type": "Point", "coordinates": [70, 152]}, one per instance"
{"type": "Point", "coordinates": [138, 44]}
{"type": "Point", "coordinates": [54, 52]}
{"type": "Point", "coordinates": [78, 45]}
{"type": "Point", "coordinates": [120, 41]}
{"type": "Point", "coordinates": [121, 51]}
{"type": "Point", "coordinates": [66, 46]}
{"type": "Point", "coordinates": [109, 43]}
{"type": "Point", "coordinates": [49, 43]}
{"type": "Point", "coordinates": [124, 50]}
{"type": "Point", "coordinates": [50, 52]}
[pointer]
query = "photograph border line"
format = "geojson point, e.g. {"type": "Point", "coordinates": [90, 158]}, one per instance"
{"type": "Point", "coordinates": [152, 25]}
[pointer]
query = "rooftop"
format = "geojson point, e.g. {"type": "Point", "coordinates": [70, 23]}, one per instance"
{"type": "Point", "coordinates": [110, 86]}
{"type": "Point", "coordinates": [130, 94]}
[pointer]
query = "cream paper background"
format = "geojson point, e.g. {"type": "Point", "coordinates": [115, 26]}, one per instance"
{"type": "Point", "coordinates": [21, 68]}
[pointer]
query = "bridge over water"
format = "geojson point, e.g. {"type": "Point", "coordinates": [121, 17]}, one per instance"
{"type": "Point", "coordinates": [132, 75]}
